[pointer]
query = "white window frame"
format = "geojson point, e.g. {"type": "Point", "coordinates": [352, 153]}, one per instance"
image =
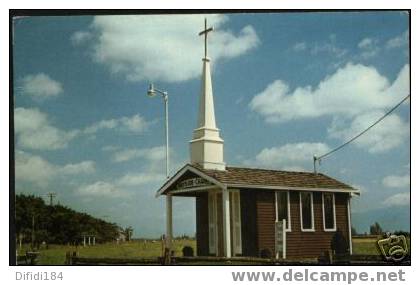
{"type": "Point", "coordinates": [334, 216]}
{"type": "Point", "coordinates": [289, 225]}
{"type": "Point", "coordinates": [312, 229]}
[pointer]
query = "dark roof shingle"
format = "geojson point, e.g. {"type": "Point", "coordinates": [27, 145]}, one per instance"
{"type": "Point", "coordinates": [266, 177]}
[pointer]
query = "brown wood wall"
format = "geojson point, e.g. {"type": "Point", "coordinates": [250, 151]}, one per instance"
{"type": "Point", "coordinates": [314, 244]}
{"type": "Point", "coordinates": [202, 227]}
{"type": "Point", "coordinates": [299, 244]}
{"type": "Point", "coordinates": [266, 217]}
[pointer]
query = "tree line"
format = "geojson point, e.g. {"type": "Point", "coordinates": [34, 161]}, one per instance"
{"type": "Point", "coordinates": [37, 222]}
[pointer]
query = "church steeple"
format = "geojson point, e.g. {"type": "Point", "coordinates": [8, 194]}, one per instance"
{"type": "Point", "coordinates": [206, 146]}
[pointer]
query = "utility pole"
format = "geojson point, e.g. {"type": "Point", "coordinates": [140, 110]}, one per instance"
{"type": "Point", "coordinates": [51, 195]}
{"type": "Point", "coordinates": [33, 232]}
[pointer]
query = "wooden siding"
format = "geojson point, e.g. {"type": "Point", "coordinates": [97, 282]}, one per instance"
{"type": "Point", "coordinates": [313, 244]}
{"type": "Point", "coordinates": [266, 217]}
{"type": "Point", "coordinates": [299, 244]}
{"type": "Point", "coordinates": [202, 226]}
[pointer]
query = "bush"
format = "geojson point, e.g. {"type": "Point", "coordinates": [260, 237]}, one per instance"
{"type": "Point", "coordinates": [339, 243]}
{"type": "Point", "coordinates": [187, 251]}
{"type": "Point", "coordinates": [266, 253]}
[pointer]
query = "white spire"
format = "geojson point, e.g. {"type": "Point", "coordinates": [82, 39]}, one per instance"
{"type": "Point", "coordinates": [206, 146]}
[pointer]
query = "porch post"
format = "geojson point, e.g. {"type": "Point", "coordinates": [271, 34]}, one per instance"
{"type": "Point", "coordinates": [168, 220]}
{"type": "Point", "coordinates": [226, 222]}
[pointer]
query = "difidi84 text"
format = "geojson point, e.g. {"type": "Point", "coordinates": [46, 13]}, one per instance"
{"type": "Point", "coordinates": [40, 275]}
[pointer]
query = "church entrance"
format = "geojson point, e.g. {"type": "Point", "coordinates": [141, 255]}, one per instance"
{"type": "Point", "coordinates": [216, 227]}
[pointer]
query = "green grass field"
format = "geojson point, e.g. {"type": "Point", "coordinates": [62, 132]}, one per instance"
{"type": "Point", "coordinates": [55, 255]}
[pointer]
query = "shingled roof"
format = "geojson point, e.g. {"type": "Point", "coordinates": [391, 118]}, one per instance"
{"type": "Point", "coordinates": [268, 177]}
{"type": "Point", "coordinates": [242, 177]}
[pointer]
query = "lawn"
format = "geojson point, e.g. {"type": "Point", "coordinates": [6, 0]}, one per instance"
{"type": "Point", "coordinates": [368, 245]}
{"type": "Point", "coordinates": [56, 254]}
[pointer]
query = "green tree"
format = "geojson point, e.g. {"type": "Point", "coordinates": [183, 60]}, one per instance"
{"type": "Point", "coordinates": [376, 229]}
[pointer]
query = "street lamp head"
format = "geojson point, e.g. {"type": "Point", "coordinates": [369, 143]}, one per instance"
{"type": "Point", "coordinates": [151, 91]}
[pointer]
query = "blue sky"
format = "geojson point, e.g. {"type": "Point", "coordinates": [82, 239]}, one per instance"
{"type": "Point", "coordinates": [286, 86]}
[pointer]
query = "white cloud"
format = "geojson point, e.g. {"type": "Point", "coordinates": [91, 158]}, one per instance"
{"type": "Point", "coordinates": [395, 181]}
{"type": "Point", "coordinates": [84, 167]}
{"type": "Point", "coordinates": [142, 178]}
{"type": "Point", "coordinates": [80, 37]}
{"type": "Point", "coordinates": [301, 46]}
{"type": "Point", "coordinates": [390, 133]}
{"type": "Point", "coordinates": [100, 189]}
{"type": "Point", "coordinates": [351, 90]}
{"type": "Point", "coordinates": [329, 47]}
{"type": "Point", "coordinates": [34, 131]}
{"type": "Point", "coordinates": [294, 156]}
{"type": "Point", "coordinates": [40, 86]}
{"type": "Point", "coordinates": [136, 124]}
{"type": "Point", "coordinates": [153, 154]}
{"type": "Point", "coordinates": [33, 169]}
{"type": "Point", "coordinates": [369, 48]}
{"type": "Point", "coordinates": [398, 41]}
{"type": "Point", "coordinates": [400, 199]}
{"type": "Point", "coordinates": [365, 43]}
{"type": "Point", "coordinates": [355, 96]}
{"type": "Point", "coordinates": [37, 170]}
{"type": "Point", "coordinates": [161, 47]}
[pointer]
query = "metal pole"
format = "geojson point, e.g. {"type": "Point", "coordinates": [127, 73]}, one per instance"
{"type": "Point", "coordinates": [168, 196]}
{"type": "Point", "coordinates": [165, 98]}
{"type": "Point", "coordinates": [33, 232]}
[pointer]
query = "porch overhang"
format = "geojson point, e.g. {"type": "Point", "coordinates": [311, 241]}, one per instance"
{"type": "Point", "coordinates": [170, 182]}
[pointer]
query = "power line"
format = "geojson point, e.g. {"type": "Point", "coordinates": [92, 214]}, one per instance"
{"type": "Point", "coordinates": [360, 134]}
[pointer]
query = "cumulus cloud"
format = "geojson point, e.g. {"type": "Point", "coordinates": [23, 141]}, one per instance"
{"type": "Point", "coordinates": [80, 37]}
{"type": "Point", "coordinates": [328, 47]}
{"type": "Point", "coordinates": [100, 189]}
{"type": "Point", "coordinates": [301, 46]}
{"type": "Point", "coordinates": [351, 90]}
{"type": "Point", "coordinates": [161, 47]}
{"type": "Point", "coordinates": [40, 86]}
{"type": "Point", "coordinates": [400, 199]}
{"type": "Point", "coordinates": [153, 154]}
{"type": "Point", "coordinates": [390, 133]}
{"type": "Point", "coordinates": [141, 178]}
{"type": "Point", "coordinates": [84, 167]}
{"type": "Point", "coordinates": [34, 130]}
{"type": "Point", "coordinates": [37, 170]}
{"type": "Point", "coordinates": [396, 181]}
{"type": "Point", "coordinates": [136, 124]}
{"type": "Point", "coordinates": [398, 41]}
{"type": "Point", "coordinates": [293, 156]}
{"type": "Point", "coordinates": [369, 48]}
{"type": "Point", "coordinates": [355, 96]}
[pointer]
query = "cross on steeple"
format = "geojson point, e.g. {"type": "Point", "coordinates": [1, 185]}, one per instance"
{"type": "Point", "coordinates": [205, 32]}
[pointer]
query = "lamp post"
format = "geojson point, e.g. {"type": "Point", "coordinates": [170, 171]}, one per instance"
{"type": "Point", "coordinates": [151, 92]}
